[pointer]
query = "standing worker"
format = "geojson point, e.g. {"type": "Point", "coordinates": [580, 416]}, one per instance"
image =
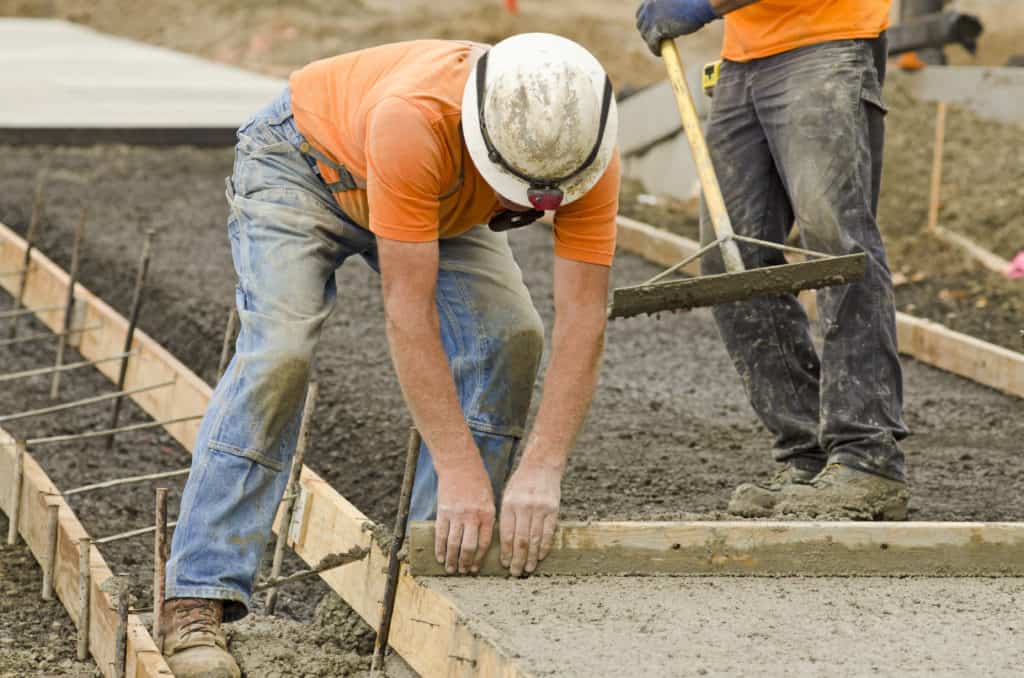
{"type": "Point", "coordinates": [417, 157]}
{"type": "Point", "coordinates": [795, 135]}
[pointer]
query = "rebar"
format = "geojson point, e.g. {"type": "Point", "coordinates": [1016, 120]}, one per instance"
{"type": "Point", "coordinates": [229, 335]}
{"type": "Point", "coordinates": [44, 336]}
{"type": "Point", "coordinates": [84, 594]}
{"type": "Point", "coordinates": [79, 403]}
{"type": "Point", "coordinates": [16, 487]}
{"type": "Point", "coordinates": [126, 481]}
{"type": "Point", "coordinates": [30, 237]}
{"type": "Point", "coordinates": [52, 524]}
{"type": "Point", "coordinates": [130, 534]}
{"type": "Point", "coordinates": [133, 319]}
{"type": "Point", "coordinates": [48, 440]}
{"type": "Point", "coordinates": [380, 646]}
{"type": "Point", "coordinates": [40, 371]}
{"type": "Point", "coordinates": [69, 302]}
{"type": "Point", "coordinates": [288, 503]}
{"type": "Point", "coordinates": [6, 315]}
{"type": "Point", "coordinates": [328, 562]}
{"type": "Point", "coordinates": [159, 560]}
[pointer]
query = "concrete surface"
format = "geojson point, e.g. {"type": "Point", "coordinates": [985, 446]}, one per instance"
{"type": "Point", "coordinates": [751, 627]}
{"type": "Point", "coordinates": [63, 83]}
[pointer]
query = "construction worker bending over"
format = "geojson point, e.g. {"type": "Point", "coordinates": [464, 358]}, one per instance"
{"type": "Point", "coordinates": [795, 135]}
{"type": "Point", "coordinates": [416, 157]}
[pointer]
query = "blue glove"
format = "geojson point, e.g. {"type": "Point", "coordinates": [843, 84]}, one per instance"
{"type": "Point", "coordinates": [659, 20]}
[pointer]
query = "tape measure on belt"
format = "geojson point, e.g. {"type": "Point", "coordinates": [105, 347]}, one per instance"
{"type": "Point", "coordinates": [709, 76]}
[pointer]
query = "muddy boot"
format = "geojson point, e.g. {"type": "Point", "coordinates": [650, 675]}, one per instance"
{"type": "Point", "coordinates": [847, 494]}
{"type": "Point", "coordinates": [193, 640]}
{"type": "Point", "coordinates": [756, 500]}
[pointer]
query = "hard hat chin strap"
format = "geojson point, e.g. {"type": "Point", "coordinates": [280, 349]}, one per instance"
{"type": "Point", "coordinates": [543, 194]}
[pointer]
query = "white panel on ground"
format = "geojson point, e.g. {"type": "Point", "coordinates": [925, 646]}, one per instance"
{"type": "Point", "coordinates": [993, 93]}
{"type": "Point", "coordinates": [665, 169]}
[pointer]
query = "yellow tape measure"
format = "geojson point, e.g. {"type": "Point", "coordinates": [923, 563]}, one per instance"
{"type": "Point", "coordinates": [709, 76]}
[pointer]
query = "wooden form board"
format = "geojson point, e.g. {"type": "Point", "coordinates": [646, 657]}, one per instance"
{"type": "Point", "coordinates": [38, 492]}
{"type": "Point", "coordinates": [763, 548]}
{"type": "Point", "coordinates": [429, 631]}
{"type": "Point", "coordinates": [924, 340]}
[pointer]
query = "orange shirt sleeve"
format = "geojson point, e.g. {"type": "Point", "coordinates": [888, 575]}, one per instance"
{"type": "Point", "coordinates": [404, 170]}
{"type": "Point", "coordinates": [585, 229]}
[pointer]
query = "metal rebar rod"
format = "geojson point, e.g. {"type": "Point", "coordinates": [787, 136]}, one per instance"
{"type": "Point", "coordinates": [126, 481]}
{"type": "Point", "coordinates": [16, 488]}
{"type": "Point", "coordinates": [159, 560]}
{"type": "Point", "coordinates": [43, 336]}
{"type": "Point", "coordinates": [52, 523]}
{"type": "Point", "coordinates": [693, 257]}
{"type": "Point", "coordinates": [30, 238]}
{"type": "Point", "coordinates": [128, 535]}
{"type": "Point", "coordinates": [380, 646]}
{"type": "Point", "coordinates": [229, 335]}
{"type": "Point", "coordinates": [328, 562]}
{"type": "Point", "coordinates": [781, 247]}
{"type": "Point", "coordinates": [5, 315]}
{"type": "Point", "coordinates": [133, 319]}
{"type": "Point", "coordinates": [69, 302]}
{"type": "Point", "coordinates": [84, 594]}
{"type": "Point", "coordinates": [288, 508]}
{"type": "Point", "coordinates": [121, 632]}
{"type": "Point", "coordinates": [10, 274]}
{"type": "Point", "coordinates": [40, 371]}
{"type": "Point", "coordinates": [80, 403]}
{"type": "Point", "coordinates": [106, 432]}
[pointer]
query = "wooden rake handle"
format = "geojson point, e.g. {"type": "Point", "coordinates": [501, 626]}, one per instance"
{"type": "Point", "coordinates": [705, 170]}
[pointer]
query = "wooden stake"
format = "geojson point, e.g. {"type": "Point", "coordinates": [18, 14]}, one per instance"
{"type": "Point", "coordinates": [69, 304]}
{"type": "Point", "coordinates": [290, 494]}
{"type": "Point", "coordinates": [19, 471]}
{"type": "Point", "coordinates": [30, 238]}
{"type": "Point", "coordinates": [936, 183]}
{"type": "Point", "coordinates": [159, 561]}
{"type": "Point", "coordinates": [84, 592]}
{"type": "Point", "coordinates": [121, 635]}
{"type": "Point", "coordinates": [133, 320]}
{"type": "Point", "coordinates": [53, 521]}
{"type": "Point", "coordinates": [229, 336]}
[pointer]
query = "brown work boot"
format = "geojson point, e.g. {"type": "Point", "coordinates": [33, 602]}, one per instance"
{"type": "Point", "coordinates": [193, 640]}
{"type": "Point", "coordinates": [845, 493]}
{"type": "Point", "coordinates": [756, 500]}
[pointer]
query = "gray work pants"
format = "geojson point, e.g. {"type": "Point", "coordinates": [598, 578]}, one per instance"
{"type": "Point", "coordinates": [796, 138]}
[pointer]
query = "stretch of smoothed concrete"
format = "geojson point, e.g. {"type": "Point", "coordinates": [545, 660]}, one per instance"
{"type": "Point", "coordinates": [75, 85]}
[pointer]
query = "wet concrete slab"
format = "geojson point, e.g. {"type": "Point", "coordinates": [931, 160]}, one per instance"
{"type": "Point", "coordinates": [66, 84]}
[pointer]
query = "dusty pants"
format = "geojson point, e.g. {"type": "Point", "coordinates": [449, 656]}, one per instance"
{"type": "Point", "coordinates": [797, 138]}
{"type": "Point", "coordinates": [288, 237]}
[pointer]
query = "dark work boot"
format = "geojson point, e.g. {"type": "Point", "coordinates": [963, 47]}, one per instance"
{"type": "Point", "coordinates": [756, 500]}
{"type": "Point", "coordinates": [193, 640]}
{"type": "Point", "coordinates": [845, 493]}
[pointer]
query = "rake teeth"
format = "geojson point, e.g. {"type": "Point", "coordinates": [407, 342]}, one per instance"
{"type": "Point", "coordinates": [725, 288]}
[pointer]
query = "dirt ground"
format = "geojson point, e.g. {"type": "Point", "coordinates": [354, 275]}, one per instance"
{"type": "Point", "coordinates": [670, 433]}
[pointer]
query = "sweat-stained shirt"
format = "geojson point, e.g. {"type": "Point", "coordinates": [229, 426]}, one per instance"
{"type": "Point", "coordinates": [771, 27]}
{"type": "Point", "coordinates": [391, 115]}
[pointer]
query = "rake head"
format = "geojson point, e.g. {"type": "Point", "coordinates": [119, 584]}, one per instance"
{"type": "Point", "coordinates": [710, 290]}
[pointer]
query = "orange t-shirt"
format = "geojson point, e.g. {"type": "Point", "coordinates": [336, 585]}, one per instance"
{"type": "Point", "coordinates": [391, 115]}
{"type": "Point", "coordinates": [774, 26]}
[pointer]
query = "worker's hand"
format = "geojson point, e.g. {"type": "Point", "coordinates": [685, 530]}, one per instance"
{"type": "Point", "coordinates": [465, 517]}
{"type": "Point", "coordinates": [659, 20]}
{"type": "Point", "coordinates": [529, 516]}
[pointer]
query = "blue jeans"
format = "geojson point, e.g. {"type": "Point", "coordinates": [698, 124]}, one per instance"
{"type": "Point", "coordinates": [797, 138]}
{"type": "Point", "coordinates": [288, 237]}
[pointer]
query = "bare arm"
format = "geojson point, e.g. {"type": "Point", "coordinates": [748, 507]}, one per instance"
{"type": "Point", "coordinates": [529, 511]}
{"type": "Point", "coordinates": [465, 502]}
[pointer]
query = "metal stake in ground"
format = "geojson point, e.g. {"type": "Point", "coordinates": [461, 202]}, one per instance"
{"type": "Point", "coordinates": [52, 525]}
{"type": "Point", "coordinates": [159, 561]}
{"type": "Point", "coordinates": [84, 594]}
{"type": "Point", "coordinates": [121, 633]}
{"type": "Point", "coordinates": [290, 491]}
{"type": "Point", "coordinates": [380, 646]}
{"type": "Point", "coordinates": [229, 336]}
{"type": "Point", "coordinates": [133, 319]}
{"type": "Point", "coordinates": [69, 305]}
{"type": "Point", "coordinates": [19, 471]}
{"type": "Point", "coordinates": [30, 238]}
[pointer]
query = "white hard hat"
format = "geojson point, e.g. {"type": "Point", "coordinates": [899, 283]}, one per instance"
{"type": "Point", "coordinates": [549, 122]}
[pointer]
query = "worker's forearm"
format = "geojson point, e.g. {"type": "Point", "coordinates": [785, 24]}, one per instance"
{"type": "Point", "coordinates": [577, 345]}
{"type": "Point", "coordinates": [723, 7]}
{"type": "Point", "coordinates": [413, 330]}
